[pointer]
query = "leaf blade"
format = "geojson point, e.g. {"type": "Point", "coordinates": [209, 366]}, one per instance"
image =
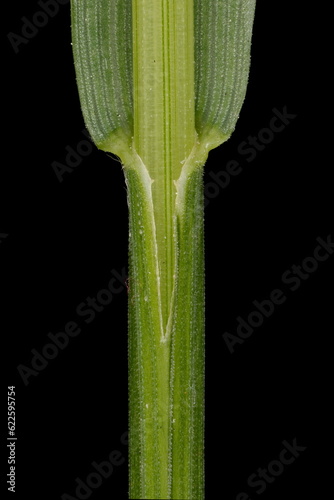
{"type": "Point", "coordinates": [223, 30]}
{"type": "Point", "coordinates": [102, 50]}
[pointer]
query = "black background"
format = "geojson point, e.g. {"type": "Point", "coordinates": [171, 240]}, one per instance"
{"type": "Point", "coordinates": [64, 239]}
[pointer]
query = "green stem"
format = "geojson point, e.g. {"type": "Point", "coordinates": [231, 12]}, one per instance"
{"type": "Point", "coordinates": [166, 305]}
{"type": "Point", "coordinates": [164, 116]}
{"type": "Point", "coordinates": [166, 369]}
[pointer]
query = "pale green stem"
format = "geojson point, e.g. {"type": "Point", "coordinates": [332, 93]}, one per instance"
{"type": "Point", "coordinates": [166, 306]}
{"type": "Point", "coordinates": [164, 116]}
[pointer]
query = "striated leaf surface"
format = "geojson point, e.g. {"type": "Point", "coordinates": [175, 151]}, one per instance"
{"type": "Point", "coordinates": [223, 30]}
{"type": "Point", "coordinates": [102, 50]}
